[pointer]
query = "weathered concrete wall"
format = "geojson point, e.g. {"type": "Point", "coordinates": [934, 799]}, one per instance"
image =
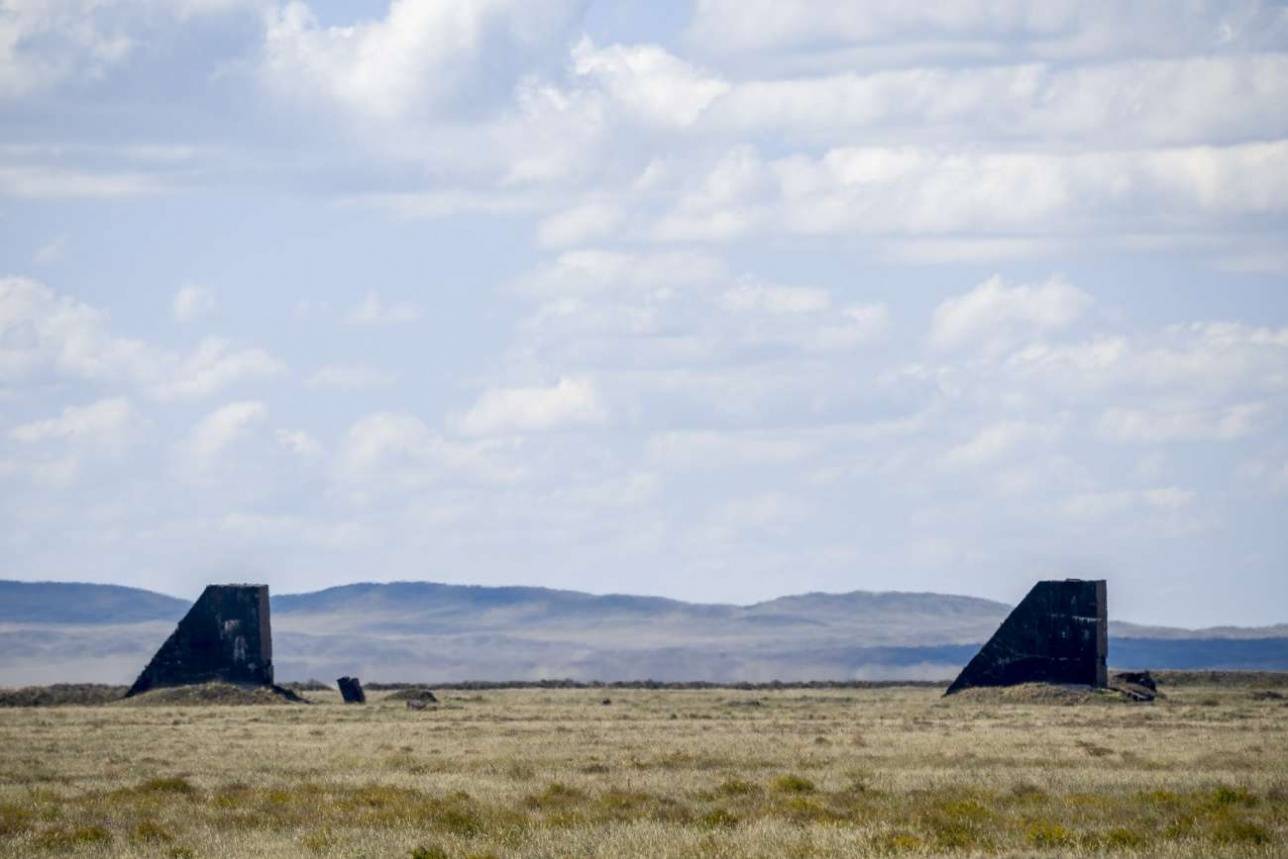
{"type": "Point", "coordinates": [226, 635]}
{"type": "Point", "coordinates": [351, 690]}
{"type": "Point", "coordinates": [1059, 633]}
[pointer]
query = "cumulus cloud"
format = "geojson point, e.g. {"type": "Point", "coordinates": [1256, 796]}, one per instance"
{"type": "Point", "coordinates": [567, 403]}
{"type": "Point", "coordinates": [218, 430]}
{"type": "Point", "coordinates": [993, 313]}
{"type": "Point", "coordinates": [192, 302]}
{"type": "Point", "coordinates": [913, 190]}
{"type": "Point", "coordinates": [650, 83]}
{"type": "Point", "coordinates": [215, 365]}
{"type": "Point", "coordinates": [42, 331]}
{"type": "Point", "coordinates": [46, 42]}
{"type": "Point", "coordinates": [434, 58]}
{"type": "Point", "coordinates": [107, 422]}
{"type": "Point", "coordinates": [397, 450]}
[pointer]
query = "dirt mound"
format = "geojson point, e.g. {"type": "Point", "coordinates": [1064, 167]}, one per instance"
{"type": "Point", "coordinates": [62, 695]}
{"type": "Point", "coordinates": [414, 694]}
{"type": "Point", "coordinates": [1039, 693]}
{"type": "Point", "coordinates": [216, 694]}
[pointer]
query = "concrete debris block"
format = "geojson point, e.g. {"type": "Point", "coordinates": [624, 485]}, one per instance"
{"type": "Point", "coordinates": [351, 690]}
{"type": "Point", "coordinates": [225, 636]}
{"type": "Point", "coordinates": [1059, 633]}
{"type": "Point", "coordinates": [1137, 685]}
{"type": "Point", "coordinates": [1137, 678]}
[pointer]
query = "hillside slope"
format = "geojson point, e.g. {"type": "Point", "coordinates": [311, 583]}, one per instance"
{"type": "Point", "coordinates": [432, 631]}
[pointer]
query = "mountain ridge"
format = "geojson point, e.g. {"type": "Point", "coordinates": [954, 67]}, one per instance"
{"type": "Point", "coordinates": [35, 607]}
{"type": "Point", "coordinates": [421, 630]}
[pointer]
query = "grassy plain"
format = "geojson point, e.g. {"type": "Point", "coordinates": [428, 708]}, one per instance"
{"type": "Point", "coordinates": [655, 773]}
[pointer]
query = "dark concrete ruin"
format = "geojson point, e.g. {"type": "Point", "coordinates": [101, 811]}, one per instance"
{"type": "Point", "coordinates": [351, 690]}
{"type": "Point", "coordinates": [225, 636]}
{"type": "Point", "coordinates": [1059, 633]}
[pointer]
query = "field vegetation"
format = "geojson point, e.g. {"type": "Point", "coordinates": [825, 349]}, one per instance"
{"type": "Point", "coordinates": [655, 773]}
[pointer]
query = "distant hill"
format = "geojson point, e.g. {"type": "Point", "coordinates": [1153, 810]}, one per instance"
{"type": "Point", "coordinates": [438, 632]}
{"type": "Point", "coordinates": [74, 602]}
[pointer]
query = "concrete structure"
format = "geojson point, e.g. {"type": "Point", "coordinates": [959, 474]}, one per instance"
{"type": "Point", "coordinates": [351, 690]}
{"type": "Point", "coordinates": [1059, 633]}
{"type": "Point", "coordinates": [224, 636]}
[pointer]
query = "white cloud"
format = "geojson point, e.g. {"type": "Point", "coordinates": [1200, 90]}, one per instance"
{"type": "Point", "coordinates": [299, 443]}
{"type": "Point", "coordinates": [1182, 424]}
{"type": "Point", "coordinates": [46, 42]}
{"type": "Point", "coordinates": [1098, 505]}
{"type": "Point", "coordinates": [350, 377]}
{"type": "Point", "coordinates": [690, 450]}
{"type": "Point", "coordinates": [393, 450]}
{"type": "Point", "coordinates": [47, 182]}
{"type": "Point", "coordinates": [214, 433]}
{"type": "Point", "coordinates": [43, 331]}
{"type": "Point", "coordinates": [421, 58]}
{"type": "Point", "coordinates": [373, 310]}
{"type": "Point", "coordinates": [914, 191]}
{"type": "Point", "coordinates": [587, 272]}
{"type": "Point", "coordinates": [50, 252]}
{"type": "Point", "coordinates": [567, 403]}
{"type": "Point", "coordinates": [216, 365]}
{"type": "Point", "coordinates": [594, 219]}
{"type": "Point", "coordinates": [1160, 102]}
{"type": "Point", "coordinates": [291, 532]}
{"type": "Point", "coordinates": [651, 84]}
{"type": "Point", "coordinates": [771, 298]}
{"type": "Point", "coordinates": [996, 441]}
{"type": "Point", "coordinates": [1202, 360]}
{"type": "Point", "coordinates": [894, 33]}
{"type": "Point", "coordinates": [107, 422]}
{"type": "Point", "coordinates": [993, 313]}
{"type": "Point", "coordinates": [192, 302]}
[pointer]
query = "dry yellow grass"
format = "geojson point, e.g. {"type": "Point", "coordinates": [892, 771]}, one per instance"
{"type": "Point", "coordinates": [657, 773]}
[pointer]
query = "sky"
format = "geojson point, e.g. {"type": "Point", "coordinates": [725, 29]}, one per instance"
{"type": "Point", "coordinates": [717, 300]}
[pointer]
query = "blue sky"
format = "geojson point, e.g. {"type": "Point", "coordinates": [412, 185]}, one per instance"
{"type": "Point", "coordinates": [712, 300]}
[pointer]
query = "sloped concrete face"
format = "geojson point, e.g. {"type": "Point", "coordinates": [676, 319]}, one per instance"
{"type": "Point", "coordinates": [351, 690]}
{"type": "Point", "coordinates": [1059, 633]}
{"type": "Point", "coordinates": [225, 636]}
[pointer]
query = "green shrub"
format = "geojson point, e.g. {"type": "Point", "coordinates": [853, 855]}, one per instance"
{"type": "Point", "coordinates": [151, 831]}
{"type": "Point", "coordinates": [1124, 839]}
{"type": "Point", "coordinates": [1047, 833]}
{"type": "Point", "coordinates": [1238, 831]}
{"type": "Point", "coordinates": [70, 839]}
{"type": "Point", "coordinates": [719, 817]}
{"type": "Point", "coordinates": [1225, 795]}
{"type": "Point", "coordinates": [172, 784]}
{"type": "Point", "coordinates": [737, 787]}
{"type": "Point", "coordinates": [793, 784]}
